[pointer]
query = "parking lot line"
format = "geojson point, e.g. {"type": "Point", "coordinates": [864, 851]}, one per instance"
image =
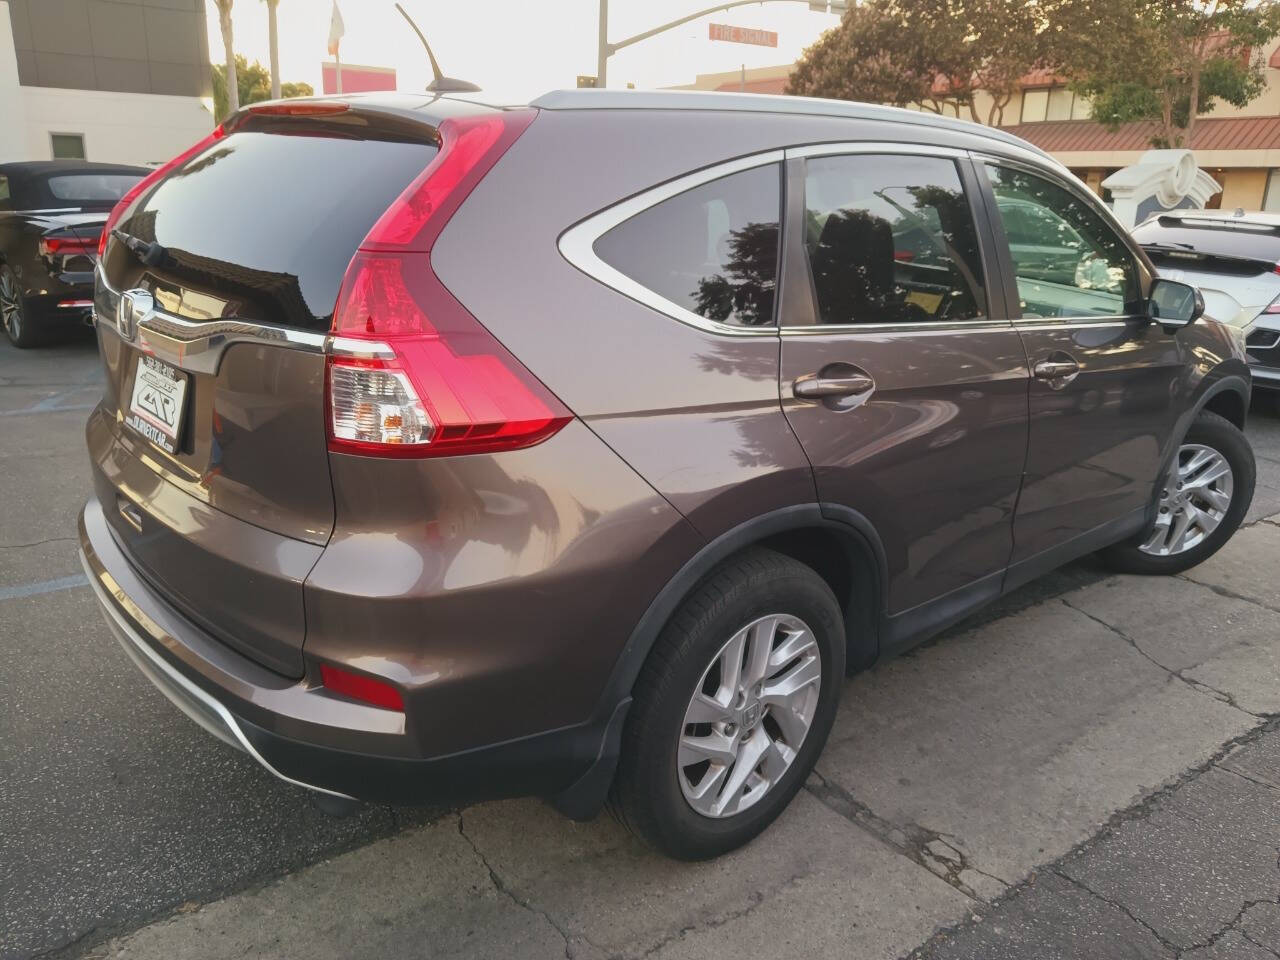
{"type": "Point", "coordinates": [42, 586]}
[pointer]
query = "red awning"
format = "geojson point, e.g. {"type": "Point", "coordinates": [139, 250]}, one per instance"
{"type": "Point", "coordinates": [1087, 136]}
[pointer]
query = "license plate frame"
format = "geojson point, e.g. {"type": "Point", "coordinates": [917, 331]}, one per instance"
{"type": "Point", "coordinates": [157, 402]}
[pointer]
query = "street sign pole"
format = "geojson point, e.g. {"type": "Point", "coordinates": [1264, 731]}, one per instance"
{"type": "Point", "coordinates": [605, 49]}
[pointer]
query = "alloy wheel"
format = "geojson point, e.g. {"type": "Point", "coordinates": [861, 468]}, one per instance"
{"type": "Point", "coordinates": [1194, 498]}
{"type": "Point", "coordinates": [10, 306]}
{"type": "Point", "coordinates": [749, 715]}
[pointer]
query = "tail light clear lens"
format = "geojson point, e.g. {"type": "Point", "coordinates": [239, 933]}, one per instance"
{"type": "Point", "coordinates": [411, 372]}
{"type": "Point", "coordinates": [147, 182]}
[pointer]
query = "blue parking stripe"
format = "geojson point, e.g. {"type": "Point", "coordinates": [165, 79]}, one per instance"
{"type": "Point", "coordinates": [43, 586]}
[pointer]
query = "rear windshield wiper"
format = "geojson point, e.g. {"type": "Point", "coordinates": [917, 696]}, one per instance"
{"type": "Point", "coordinates": [152, 254]}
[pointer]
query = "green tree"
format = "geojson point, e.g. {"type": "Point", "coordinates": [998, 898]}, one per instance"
{"type": "Point", "coordinates": [254, 84]}
{"type": "Point", "coordinates": [1165, 60]}
{"type": "Point", "coordinates": [935, 53]}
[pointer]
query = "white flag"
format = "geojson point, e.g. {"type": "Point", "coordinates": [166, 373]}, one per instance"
{"type": "Point", "coordinates": [336, 29]}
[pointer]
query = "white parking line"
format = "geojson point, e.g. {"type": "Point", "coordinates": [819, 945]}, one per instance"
{"type": "Point", "coordinates": [43, 586]}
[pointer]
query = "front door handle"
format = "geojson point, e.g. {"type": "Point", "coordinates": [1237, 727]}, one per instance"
{"type": "Point", "coordinates": [813, 387]}
{"type": "Point", "coordinates": [1055, 369]}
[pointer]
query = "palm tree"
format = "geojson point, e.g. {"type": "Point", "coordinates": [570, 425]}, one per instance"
{"type": "Point", "coordinates": [275, 48]}
{"type": "Point", "coordinates": [233, 84]}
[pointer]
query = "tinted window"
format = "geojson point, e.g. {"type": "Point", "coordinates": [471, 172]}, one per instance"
{"type": "Point", "coordinates": [1068, 261]}
{"type": "Point", "coordinates": [91, 187]}
{"type": "Point", "coordinates": [5, 203]}
{"type": "Point", "coordinates": [1215, 238]}
{"type": "Point", "coordinates": [891, 240]}
{"type": "Point", "coordinates": [712, 249]}
{"type": "Point", "coordinates": [270, 215]}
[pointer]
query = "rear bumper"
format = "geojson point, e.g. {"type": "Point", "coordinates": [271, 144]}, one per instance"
{"type": "Point", "coordinates": [303, 734]}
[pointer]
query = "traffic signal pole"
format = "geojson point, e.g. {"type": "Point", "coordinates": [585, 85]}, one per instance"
{"type": "Point", "coordinates": [605, 49]}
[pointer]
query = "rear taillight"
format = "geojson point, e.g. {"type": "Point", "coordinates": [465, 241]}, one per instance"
{"type": "Point", "coordinates": [411, 372]}
{"type": "Point", "coordinates": [145, 184]}
{"type": "Point", "coordinates": [1273, 307]}
{"type": "Point", "coordinates": [67, 246]}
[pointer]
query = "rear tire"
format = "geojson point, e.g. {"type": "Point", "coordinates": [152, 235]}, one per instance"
{"type": "Point", "coordinates": [1209, 435]}
{"type": "Point", "coordinates": [774, 616]}
{"type": "Point", "coordinates": [14, 316]}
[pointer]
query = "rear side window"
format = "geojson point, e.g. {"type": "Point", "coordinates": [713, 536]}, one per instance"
{"type": "Point", "coordinates": [92, 187]}
{"type": "Point", "coordinates": [891, 240]}
{"type": "Point", "coordinates": [712, 250]}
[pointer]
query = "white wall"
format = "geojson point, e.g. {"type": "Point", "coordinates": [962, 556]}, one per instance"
{"type": "Point", "coordinates": [13, 144]}
{"type": "Point", "coordinates": [117, 127]}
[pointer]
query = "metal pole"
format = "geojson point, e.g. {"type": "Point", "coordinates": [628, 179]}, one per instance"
{"type": "Point", "coordinates": [602, 50]}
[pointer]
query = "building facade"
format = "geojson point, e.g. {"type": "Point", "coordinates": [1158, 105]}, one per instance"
{"type": "Point", "coordinates": [1238, 146]}
{"type": "Point", "coordinates": [120, 81]}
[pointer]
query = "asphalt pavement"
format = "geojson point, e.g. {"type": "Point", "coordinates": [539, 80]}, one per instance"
{"type": "Point", "coordinates": [1089, 765]}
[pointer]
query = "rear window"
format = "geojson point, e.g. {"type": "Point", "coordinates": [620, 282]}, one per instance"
{"type": "Point", "coordinates": [91, 187]}
{"type": "Point", "coordinates": [267, 218]}
{"type": "Point", "coordinates": [1216, 240]}
{"type": "Point", "coordinates": [712, 250]}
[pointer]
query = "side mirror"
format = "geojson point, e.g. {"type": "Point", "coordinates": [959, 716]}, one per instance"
{"type": "Point", "coordinates": [1173, 302]}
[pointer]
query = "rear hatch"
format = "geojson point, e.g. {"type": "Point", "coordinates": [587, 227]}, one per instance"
{"type": "Point", "coordinates": [212, 464]}
{"type": "Point", "coordinates": [1236, 264]}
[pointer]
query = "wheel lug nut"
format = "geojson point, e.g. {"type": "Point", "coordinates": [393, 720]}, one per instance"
{"type": "Point", "coordinates": [730, 729]}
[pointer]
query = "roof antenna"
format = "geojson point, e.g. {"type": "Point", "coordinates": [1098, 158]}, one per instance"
{"type": "Point", "coordinates": [441, 83]}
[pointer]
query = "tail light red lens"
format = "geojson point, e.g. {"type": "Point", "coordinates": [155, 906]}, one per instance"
{"type": "Point", "coordinates": [411, 372]}
{"type": "Point", "coordinates": [313, 108]}
{"type": "Point", "coordinates": [147, 182]}
{"type": "Point", "coordinates": [362, 687]}
{"type": "Point", "coordinates": [1274, 306]}
{"type": "Point", "coordinates": [67, 246]}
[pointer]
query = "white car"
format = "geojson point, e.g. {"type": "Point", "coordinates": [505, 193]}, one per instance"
{"type": "Point", "coordinates": [1234, 258]}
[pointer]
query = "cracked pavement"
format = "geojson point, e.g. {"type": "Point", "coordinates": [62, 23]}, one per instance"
{"type": "Point", "coordinates": [1089, 769]}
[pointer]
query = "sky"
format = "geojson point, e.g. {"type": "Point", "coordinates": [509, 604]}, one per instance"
{"type": "Point", "coordinates": [517, 48]}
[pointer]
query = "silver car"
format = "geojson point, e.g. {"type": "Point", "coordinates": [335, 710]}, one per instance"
{"type": "Point", "coordinates": [1234, 258]}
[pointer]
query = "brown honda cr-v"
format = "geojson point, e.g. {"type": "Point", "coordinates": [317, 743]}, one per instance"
{"type": "Point", "coordinates": [580, 448]}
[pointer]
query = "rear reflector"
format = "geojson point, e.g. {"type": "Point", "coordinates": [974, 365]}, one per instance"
{"type": "Point", "coordinates": [74, 304]}
{"type": "Point", "coordinates": [359, 686]}
{"type": "Point", "coordinates": [150, 180]}
{"type": "Point", "coordinates": [412, 373]}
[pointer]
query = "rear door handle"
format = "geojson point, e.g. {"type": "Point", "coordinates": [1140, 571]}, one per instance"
{"type": "Point", "coordinates": [1053, 369]}
{"type": "Point", "coordinates": [813, 387]}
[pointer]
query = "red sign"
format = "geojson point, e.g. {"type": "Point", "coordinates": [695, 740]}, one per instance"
{"type": "Point", "coordinates": [761, 38]}
{"type": "Point", "coordinates": [356, 78]}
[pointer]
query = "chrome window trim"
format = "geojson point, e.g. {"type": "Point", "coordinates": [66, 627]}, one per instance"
{"type": "Point", "coordinates": [840, 148]}
{"type": "Point", "coordinates": [192, 345]}
{"type": "Point", "coordinates": [577, 244]}
{"type": "Point", "coordinates": [1264, 373]}
{"type": "Point", "coordinates": [986, 325]}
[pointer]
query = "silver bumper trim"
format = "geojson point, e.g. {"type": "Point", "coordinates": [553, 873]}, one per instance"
{"type": "Point", "coordinates": [185, 695]}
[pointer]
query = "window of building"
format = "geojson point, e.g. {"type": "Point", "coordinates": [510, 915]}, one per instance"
{"type": "Point", "coordinates": [891, 240]}
{"type": "Point", "coordinates": [1271, 197]}
{"type": "Point", "coordinates": [712, 249]}
{"type": "Point", "coordinates": [1035, 105]}
{"type": "Point", "coordinates": [1068, 262]}
{"type": "Point", "coordinates": [1060, 102]}
{"type": "Point", "coordinates": [67, 146]}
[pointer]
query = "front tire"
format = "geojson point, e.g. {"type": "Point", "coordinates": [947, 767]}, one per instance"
{"type": "Point", "coordinates": [732, 707]}
{"type": "Point", "coordinates": [1199, 505]}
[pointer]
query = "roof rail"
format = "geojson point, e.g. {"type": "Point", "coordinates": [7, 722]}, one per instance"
{"type": "Point", "coordinates": [591, 99]}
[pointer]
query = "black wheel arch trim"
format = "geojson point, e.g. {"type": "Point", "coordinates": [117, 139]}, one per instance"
{"type": "Point", "coordinates": [587, 795]}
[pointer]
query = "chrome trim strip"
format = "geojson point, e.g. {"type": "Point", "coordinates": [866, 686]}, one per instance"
{"type": "Point", "coordinates": [1069, 324]}
{"type": "Point", "coordinates": [873, 146]}
{"type": "Point", "coordinates": [1264, 373]}
{"type": "Point", "coordinates": [196, 346]}
{"type": "Point", "coordinates": [922, 327]}
{"type": "Point", "coordinates": [577, 244]}
{"type": "Point", "coordinates": [137, 647]}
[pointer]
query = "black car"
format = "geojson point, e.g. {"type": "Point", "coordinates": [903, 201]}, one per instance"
{"type": "Point", "coordinates": [51, 217]}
